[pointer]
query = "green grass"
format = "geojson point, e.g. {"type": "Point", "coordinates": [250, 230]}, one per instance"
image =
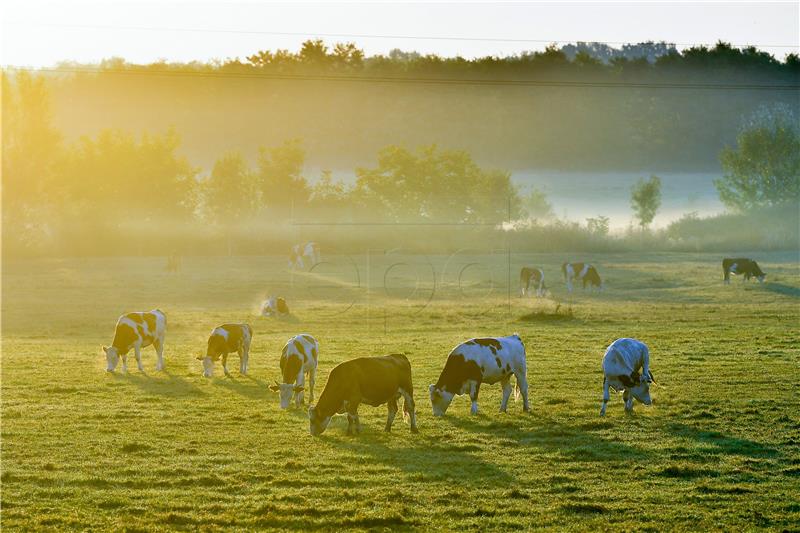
{"type": "Point", "coordinates": [719, 449]}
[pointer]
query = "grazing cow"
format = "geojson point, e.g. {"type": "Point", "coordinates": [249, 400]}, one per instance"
{"type": "Point", "coordinates": [581, 272]}
{"type": "Point", "coordinates": [741, 265]}
{"type": "Point", "coordinates": [626, 368]}
{"type": "Point", "coordinates": [478, 361]}
{"type": "Point", "coordinates": [371, 380]}
{"type": "Point", "coordinates": [137, 331]}
{"type": "Point", "coordinates": [309, 251]}
{"type": "Point", "coordinates": [274, 307]}
{"type": "Point", "coordinates": [299, 357]}
{"type": "Point", "coordinates": [528, 274]}
{"type": "Point", "coordinates": [223, 340]}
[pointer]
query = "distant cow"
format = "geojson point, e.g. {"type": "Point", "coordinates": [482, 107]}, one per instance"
{"type": "Point", "coordinates": [299, 357]}
{"type": "Point", "coordinates": [528, 275]}
{"type": "Point", "coordinates": [626, 368]}
{"type": "Point", "coordinates": [137, 331]}
{"type": "Point", "coordinates": [477, 361]}
{"type": "Point", "coordinates": [307, 251]}
{"type": "Point", "coordinates": [371, 380]}
{"type": "Point", "coordinates": [741, 265]}
{"type": "Point", "coordinates": [273, 306]}
{"type": "Point", "coordinates": [581, 272]}
{"type": "Point", "coordinates": [226, 339]}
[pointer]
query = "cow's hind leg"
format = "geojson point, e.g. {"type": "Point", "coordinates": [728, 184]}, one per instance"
{"type": "Point", "coordinates": [353, 423]}
{"type": "Point", "coordinates": [522, 385]}
{"type": "Point", "coordinates": [507, 388]}
{"type": "Point", "coordinates": [138, 352]}
{"type": "Point", "coordinates": [606, 396]}
{"type": "Point", "coordinates": [409, 408]}
{"type": "Point", "coordinates": [392, 405]}
{"type": "Point", "coordinates": [242, 361]}
{"type": "Point", "coordinates": [158, 344]}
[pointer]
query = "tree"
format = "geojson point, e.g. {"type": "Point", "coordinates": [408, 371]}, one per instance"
{"type": "Point", "coordinates": [230, 194]}
{"type": "Point", "coordinates": [646, 199]}
{"type": "Point", "coordinates": [597, 226]}
{"type": "Point", "coordinates": [537, 206]}
{"type": "Point", "coordinates": [279, 176]}
{"type": "Point", "coordinates": [764, 168]}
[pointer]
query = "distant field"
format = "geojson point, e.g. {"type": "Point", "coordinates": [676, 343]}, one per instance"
{"type": "Point", "coordinates": [719, 449]}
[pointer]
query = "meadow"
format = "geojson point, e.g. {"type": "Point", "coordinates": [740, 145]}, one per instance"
{"type": "Point", "coordinates": [87, 449]}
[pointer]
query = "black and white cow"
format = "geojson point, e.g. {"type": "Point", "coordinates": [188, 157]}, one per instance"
{"type": "Point", "coordinates": [299, 357]}
{"type": "Point", "coordinates": [137, 330]}
{"type": "Point", "coordinates": [274, 306]}
{"type": "Point", "coordinates": [581, 272]}
{"type": "Point", "coordinates": [308, 251]}
{"type": "Point", "coordinates": [741, 265]}
{"type": "Point", "coordinates": [626, 368]}
{"type": "Point", "coordinates": [226, 339]}
{"type": "Point", "coordinates": [528, 275]}
{"type": "Point", "coordinates": [477, 361]}
{"type": "Point", "coordinates": [371, 380]}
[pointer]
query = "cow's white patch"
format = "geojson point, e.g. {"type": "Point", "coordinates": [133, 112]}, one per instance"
{"type": "Point", "coordinates": [208, 367]}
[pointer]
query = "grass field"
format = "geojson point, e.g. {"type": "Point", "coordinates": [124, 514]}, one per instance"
{"type": "Point", "coordinates": [719, 449]}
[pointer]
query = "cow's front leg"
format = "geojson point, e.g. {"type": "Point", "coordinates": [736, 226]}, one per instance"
{"type": "Point", "coordinates": [474, 389]}
{"type": "Point", "coordinates": [311, 376]}
{"type": "Point", "coordinates": [299, 396]}
{"type": "Point", "coordinates": [392, 405]}
{"type": "Point", "coordinates": [628, 399]}
{"type": "Point", "coordinates": [606, 396]}
{"type": "Point", "coordinates": [125, 362]}
{"type": "Point", "coordinates": [506, 394]}
{"type": "Point", "coordinates": [138, 352]}
{"type": "Point", "coordinates": [225, 364]}
{"type": "Point", "coordinates": [353, 424]}
{"type": "Point", "coordinates": [158, 344]}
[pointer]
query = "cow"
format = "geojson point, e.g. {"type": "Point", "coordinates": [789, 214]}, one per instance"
{"type": "Point", "coordinates": [371, 380]}
{"type": "Point", "coordinates": [273, 306]}
{"type": "Point", "coordinates": [309, 251]}
{"type": "Point", "coordinates": [477, 361]}
{"type": "Point", "coordinates": [626, 368]}
{"type": "Point", "coordinates": [741, 265]}
{"type": "Point", "coordinates": [536, 275]}
{"type": "Point", "coordinates": [223, 340]}
{"type": "Point", "coordinates": [137, 331]}
{"type": "Point", "coordinates": [581, 272]}
{"type": "Point", "coordinates": [299, 357]}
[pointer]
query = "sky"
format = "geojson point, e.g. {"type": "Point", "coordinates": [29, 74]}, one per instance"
{"type": "Point", "coordinates": [41, 33]}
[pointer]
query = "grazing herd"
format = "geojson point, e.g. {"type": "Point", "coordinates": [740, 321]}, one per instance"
{"type": "Point", "coordinates": [387, 379]}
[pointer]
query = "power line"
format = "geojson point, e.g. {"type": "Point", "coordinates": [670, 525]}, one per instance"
{"type": "Point", "coordinates": [379, 36]}
{"type": "Point", "coordinates": [418, 80]}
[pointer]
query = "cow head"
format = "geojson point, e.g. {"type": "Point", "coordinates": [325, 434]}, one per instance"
{"type": "Point", "coordinates": [208, 365]}
{"type": "Point", "coordinates": [641, 390]}
{"type": "Point", "coordinates": [316, 422]}
{"type": "Point", "coordinates": [286, 391]}
{"type": "Point", "coordinates": [112, 358]}
{"type": "Point", "coordinates": [440, 400]}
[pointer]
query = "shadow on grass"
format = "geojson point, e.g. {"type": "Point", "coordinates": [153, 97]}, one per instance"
{"type": "Point", "coordinates": [244, 386]}
{"type": "Point", "coordinates": [780, 288]}
{"type": "Point", "coordinates": [572, 443]}
{"type": "Point", "coordinates": [724, 443]}
{"type": "Point", "coordinates": [173, 385]}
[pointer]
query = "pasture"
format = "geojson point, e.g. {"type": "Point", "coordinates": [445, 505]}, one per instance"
{"type": "Point", "coordinates": [719, 449]}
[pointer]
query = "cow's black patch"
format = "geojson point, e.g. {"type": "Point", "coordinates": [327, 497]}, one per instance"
{"type": "Point", "coordinates": [493, 344]}
{"type": "Point", "coordinates": [300, 348]}
{"type": "Point", "coordinates": [314, 353]}
{"type": "Point", "coordinates": [456, 371]}
{"type": "Point", "coordinates": [290, 367]}
{"type": "Point", "coordinates": [508, 367]}
{"type": "Point", "coordinates": [499, 362]}
{"type": "Point", "coordinates": [629, 381]}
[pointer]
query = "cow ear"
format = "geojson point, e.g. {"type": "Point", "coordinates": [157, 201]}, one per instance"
{"type": "Point", "coordinates": [199, 357]}
{"type": "Point", "coordinates": [105, 349]}
{"type": "Point", "coordinates": [650, 377]}
{"type": "Point", "coordinates": [299, 389]}
{"type": "Point", "coordinates": [274, 388]}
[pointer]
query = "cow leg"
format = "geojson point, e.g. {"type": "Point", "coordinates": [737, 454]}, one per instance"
{"type": "Point", "coordinates": [353, 424]}
{"type": "Point", "coordinates": [628, 399]}
{"type": "Point", "coordinates": [225, 364]}
{"type": "Point", "coordinates": [474, 389]}
{"type": "Point", "coordinates": [158, 344]}
{"type": "Point", "coordinates": [242, 367]}
{"type": "Point", "coordinates": [606, 396]}
{"type": "Point", "coordinates": [311, 376]}
{"type": "Point", "coordinates": [125, 363]}
{"type": "Point", "coordinates": [522, 385]}
{"type": "Point", "coordinates": [569, 285]}
{"type": "Point", "coordinates": [507, 388]}
{"type": "Point", "coordinates": [299, 396]}
{"type": "Point", "coordinates": [409, 409]}
{"type": "Point", "coordinates": [138, 352]}
{"type": "Point", "coordinates": [392, 405]}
